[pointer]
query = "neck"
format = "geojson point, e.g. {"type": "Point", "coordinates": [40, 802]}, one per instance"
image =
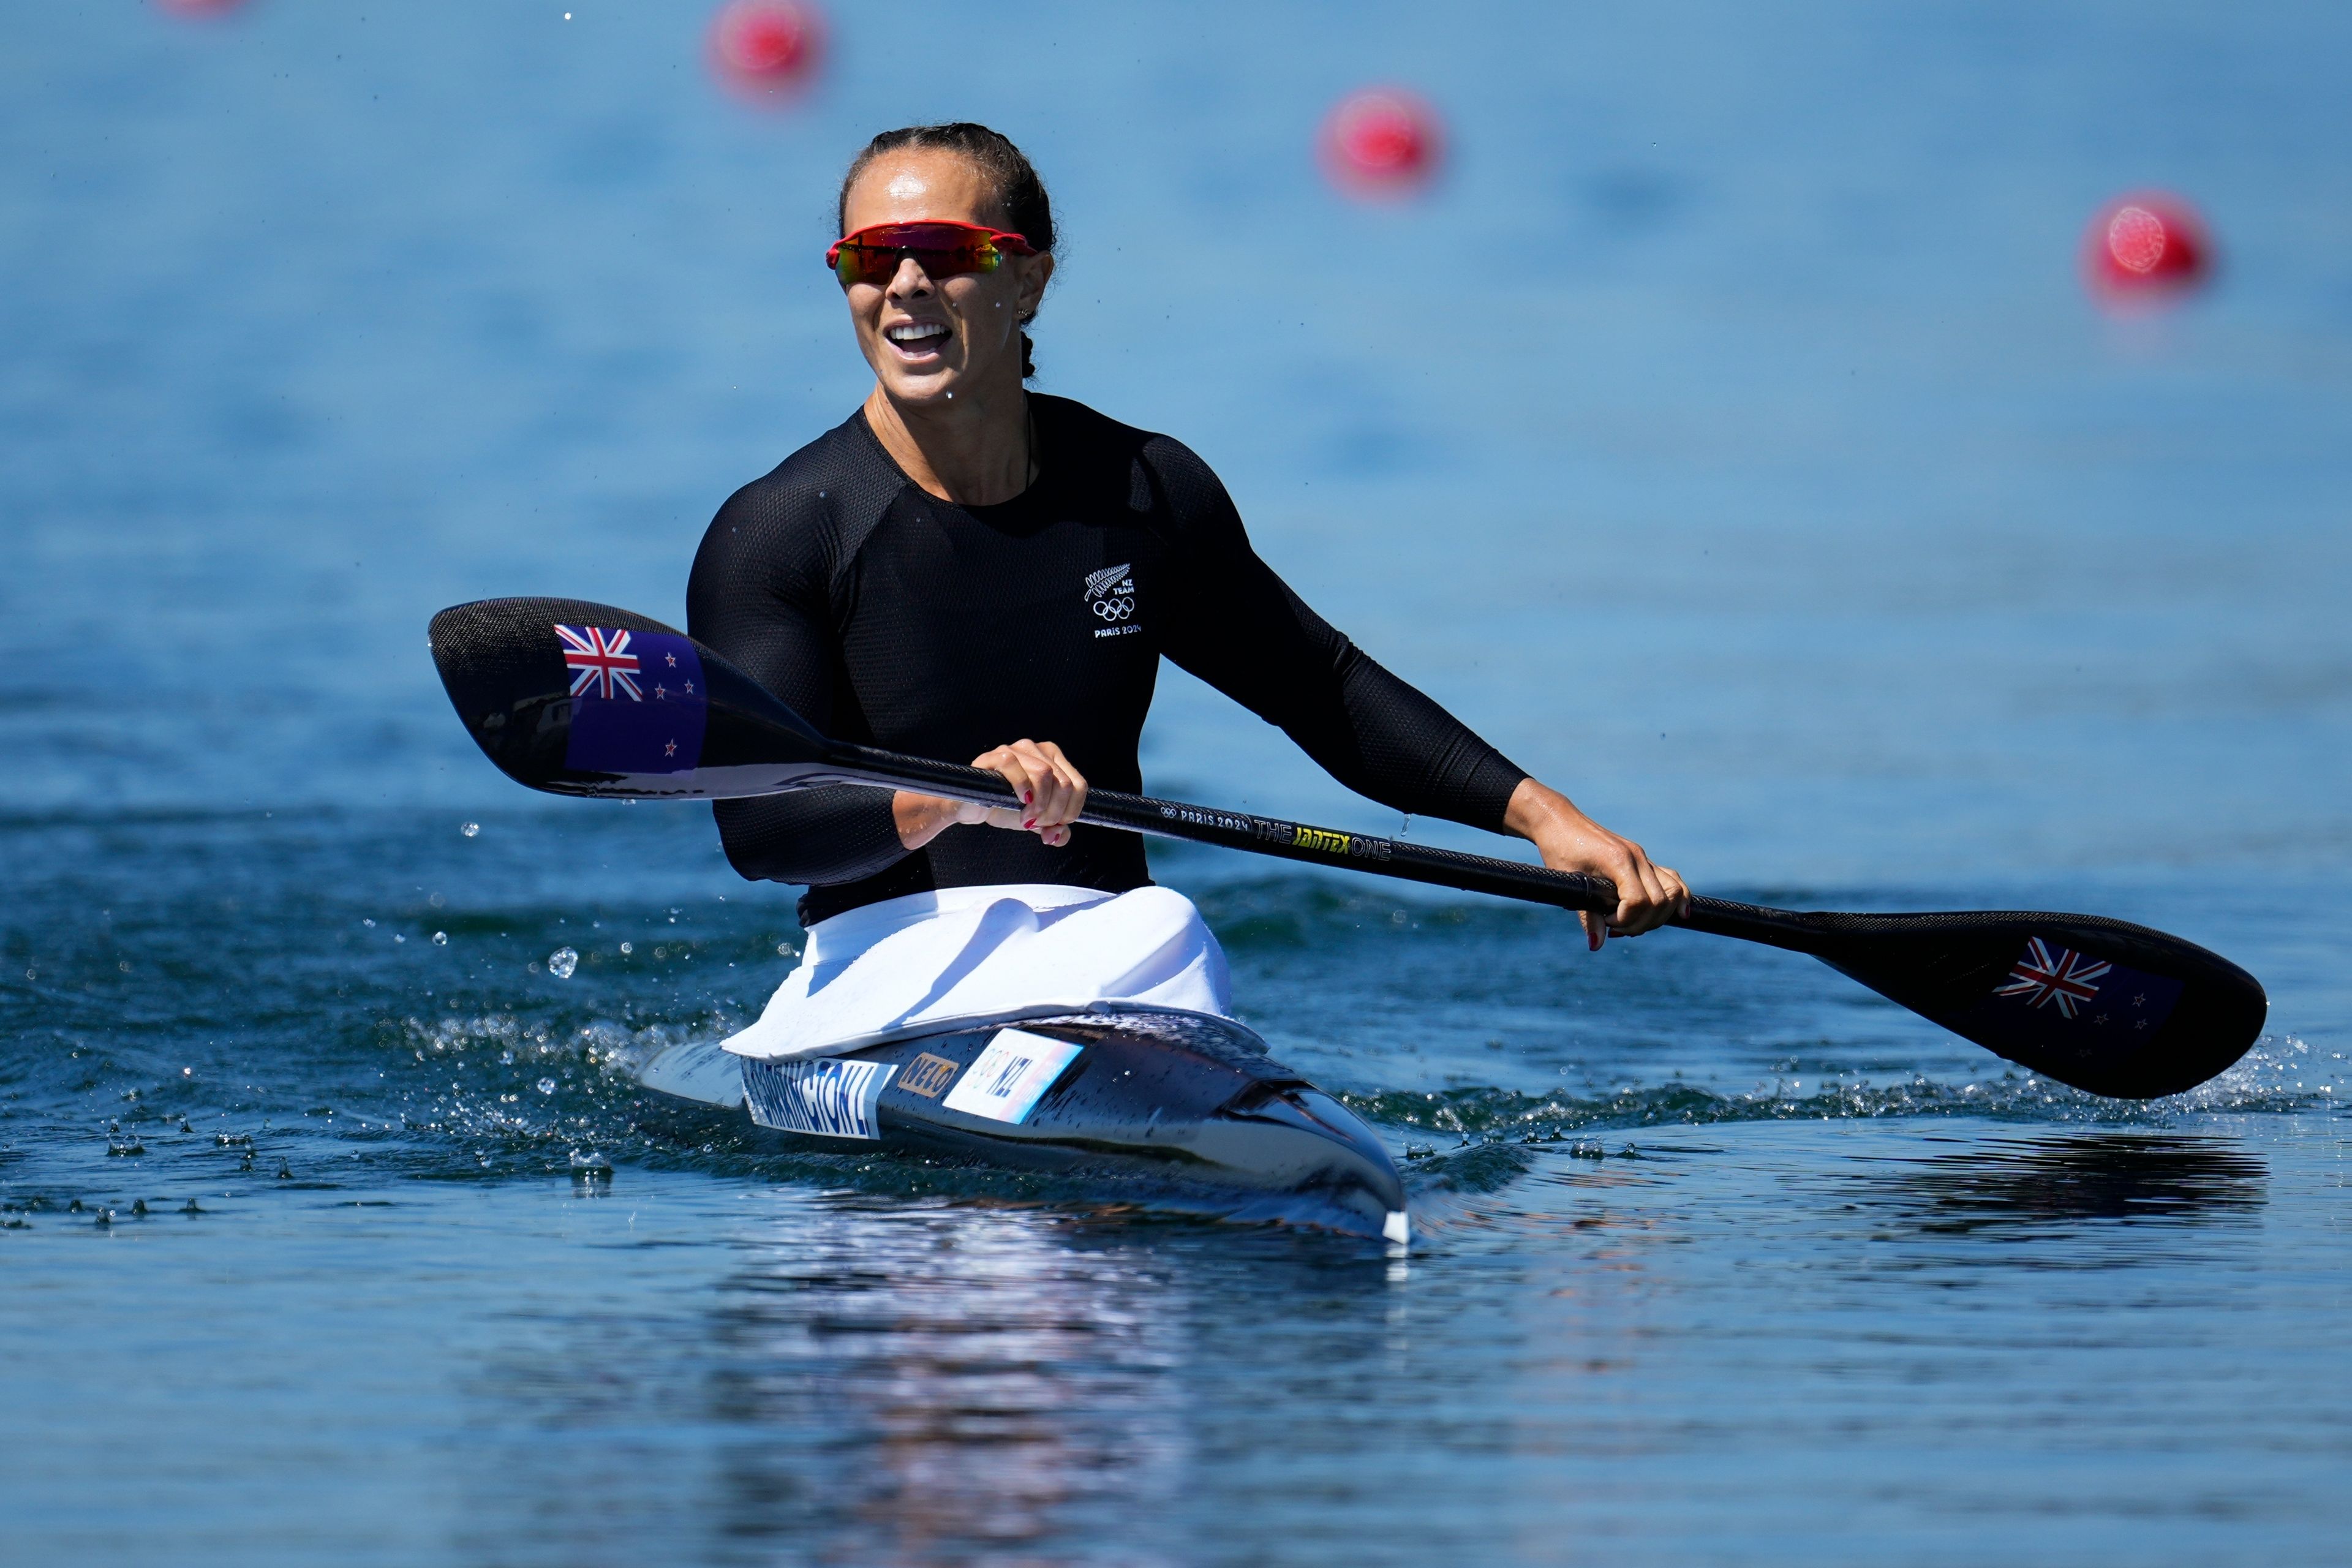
{"type": "Point", "coordinates": [974, 450]}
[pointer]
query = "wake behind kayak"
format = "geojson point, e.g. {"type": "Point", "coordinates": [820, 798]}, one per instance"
{"type": "Point", "coordinates": [1179, 1108]}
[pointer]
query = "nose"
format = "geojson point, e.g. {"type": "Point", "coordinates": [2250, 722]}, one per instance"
{"type": "Point", "coordinates": [910, 281]}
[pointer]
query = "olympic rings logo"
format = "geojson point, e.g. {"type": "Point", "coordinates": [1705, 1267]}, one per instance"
{"type": "Point", "coordinates": [1113, 609]}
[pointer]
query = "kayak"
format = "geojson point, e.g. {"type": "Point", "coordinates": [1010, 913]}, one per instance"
{"type": "Point", "coordinates": [1177, 1109]}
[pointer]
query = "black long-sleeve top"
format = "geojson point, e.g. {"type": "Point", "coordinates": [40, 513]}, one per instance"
{"type": "Point", "coordinates": [886, 615]}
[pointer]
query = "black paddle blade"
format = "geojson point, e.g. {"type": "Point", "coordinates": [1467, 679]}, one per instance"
{"type": "Point", "coordinates": [2110, 1007]}
{"type": "Point", "coordinates": [581, 698]}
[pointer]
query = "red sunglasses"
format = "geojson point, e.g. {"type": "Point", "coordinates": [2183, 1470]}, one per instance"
{"type": "Point", "coordinates": [942, 249]}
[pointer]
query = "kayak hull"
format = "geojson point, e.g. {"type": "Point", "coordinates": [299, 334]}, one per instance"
{"type": "Point", "coordinates": [1182, 1110]}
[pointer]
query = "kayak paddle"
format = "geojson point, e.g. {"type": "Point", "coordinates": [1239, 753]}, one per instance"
{"type": "Point", "coordinates": [580, 698]}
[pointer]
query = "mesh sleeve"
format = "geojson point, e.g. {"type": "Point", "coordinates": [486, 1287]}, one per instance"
{"type": "Point", "coordinates": [1242, 629]}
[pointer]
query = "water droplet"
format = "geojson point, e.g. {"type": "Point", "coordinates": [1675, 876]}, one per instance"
{"type": "Point", "coordinates": [369, 923]}
{"type": "Point", "coordinates": [547, 1086]}
{"type": "Point", "coordinates": [397, 937]}
{"type": "Point", "coordinates": [506, 1058]}
{"type": "Point", "coordinates": [786, 950]}
{"type": "Point", "coordinates": [440, 939]}
{"type": "Point", "coordinates": [628, 947]}
{"type": "Point", "coordinates": [562, 963]}
{"type": "Point", "coordinates": [470, 829]}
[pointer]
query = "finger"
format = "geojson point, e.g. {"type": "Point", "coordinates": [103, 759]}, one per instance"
{"type": "Point", "coordinates": [1054, 838]}
{"type": "Point", "coordinates": [1655, 906]}
{"type": "Point", "coordinates": [1073, 782]}
{"type": "Point", "coordinates": [1631, 896]}
{"type": "Point", "coordinates": [1596, 929]}
{"type": "Point", "coordinates": [1014, 769]}
{"type": "Point", "coordinates": [1055, 794]}
{"type": "Point", "coordinates": [1032, 778]}
{"type": "Point", "coordinates": [1007, 765]}
{"type": "Point", "coordinates": [1047, 799]}
{"type": "Point", "coordinates": [1644, 904]}
{"type": "Point", "coordinates": [1677, 890]}
{"type": "Point", "coordinates": [1069, 786]}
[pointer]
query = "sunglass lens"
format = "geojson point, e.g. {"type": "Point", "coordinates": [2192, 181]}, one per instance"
{"type": "Point", "coordinates": [878, 264]}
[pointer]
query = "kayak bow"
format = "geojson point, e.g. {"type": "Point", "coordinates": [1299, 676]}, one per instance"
{"type": "Point", "coordinates": [1184, 1109]}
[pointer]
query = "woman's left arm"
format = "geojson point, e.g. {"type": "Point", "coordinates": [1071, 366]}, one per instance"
{"type": "Point", "coordinates": [1239, 627]}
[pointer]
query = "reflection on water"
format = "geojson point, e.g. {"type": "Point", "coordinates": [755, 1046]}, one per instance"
{"type": "Point", "coordinates": [947, 1380]}
{"type": "Point", "coordinates": [2011, 1184]}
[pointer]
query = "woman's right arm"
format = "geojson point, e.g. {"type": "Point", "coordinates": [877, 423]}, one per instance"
{"type": "Point", "coordinates": [758, 598]}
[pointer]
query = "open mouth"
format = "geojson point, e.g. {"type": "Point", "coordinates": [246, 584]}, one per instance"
{"type": "Point", "coordinates": [918, 340]}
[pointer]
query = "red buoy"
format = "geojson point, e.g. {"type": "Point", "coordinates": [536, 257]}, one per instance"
{"type": "Point", "coordinates": [766, 49]}
{"type": "Point", "coordinates": [2146, 247]}
{"type": "Point", "coordinates": [1381, 141]}
{"type": "Point", "coordinates": [199, 7]}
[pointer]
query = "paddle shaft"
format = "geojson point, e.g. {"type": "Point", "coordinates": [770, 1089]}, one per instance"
{"type": "Point", "coordinates": [1315, 845]}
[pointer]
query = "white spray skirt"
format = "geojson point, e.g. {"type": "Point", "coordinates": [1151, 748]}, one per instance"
{"type": "Point", "coordinates": [965, 956]}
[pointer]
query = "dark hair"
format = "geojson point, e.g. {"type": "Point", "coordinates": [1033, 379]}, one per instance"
{"type": "Point", "coordinates": [1021, 200]}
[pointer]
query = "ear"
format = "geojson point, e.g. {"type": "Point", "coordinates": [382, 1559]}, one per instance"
{"type": "Point", "coordinates": [1036, 271]}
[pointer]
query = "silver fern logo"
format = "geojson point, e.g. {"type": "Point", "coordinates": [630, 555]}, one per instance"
{"type": "Point", "coordinates": [1111, 594]}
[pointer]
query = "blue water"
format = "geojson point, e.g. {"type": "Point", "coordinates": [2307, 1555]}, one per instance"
{"type": "Point", "coordinates": [1726, 436]}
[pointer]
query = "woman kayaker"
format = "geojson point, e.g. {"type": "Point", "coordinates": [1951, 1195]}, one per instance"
{"type": "Point", "coordinates": [964, 568]}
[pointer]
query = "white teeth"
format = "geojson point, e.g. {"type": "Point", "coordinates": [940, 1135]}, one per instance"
{"type": "Point", "coordinates": [914, 331]}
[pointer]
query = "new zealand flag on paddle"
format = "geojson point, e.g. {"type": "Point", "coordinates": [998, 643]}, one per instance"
{"type": "Point", "coordinates": [638, 700]}
{"type": "Point", "coordinates": [2077, 1002]}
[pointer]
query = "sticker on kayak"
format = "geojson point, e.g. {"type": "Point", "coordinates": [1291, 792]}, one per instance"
{"type": "Point", "coordinates": [1006, 1081]}
{"type": "Point", "coordinates": [927, 1075]}
{"type": "Point", "coordinates": [832, 1097]}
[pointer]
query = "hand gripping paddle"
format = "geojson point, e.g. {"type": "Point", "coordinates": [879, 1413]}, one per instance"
{"type": "Point", "coordinates": [581, 698]}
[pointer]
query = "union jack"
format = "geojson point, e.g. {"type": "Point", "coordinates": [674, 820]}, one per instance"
{"type": "Point", "coordinates": [2064, 977]}
{"type": "Point", "coordinates": [601, 660]}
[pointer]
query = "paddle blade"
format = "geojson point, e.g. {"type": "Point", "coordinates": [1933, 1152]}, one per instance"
{"type": "Point", "coordinates": [2116, 1009]}
{"type": "Point", "coordinates": [580, 698]}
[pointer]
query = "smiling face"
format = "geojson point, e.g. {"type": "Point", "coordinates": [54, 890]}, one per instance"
{"type": "Point", "coordinates": [931, 341]}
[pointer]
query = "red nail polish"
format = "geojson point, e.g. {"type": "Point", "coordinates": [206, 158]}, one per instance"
{"type": "Point", "coordinates": [1026, 798]}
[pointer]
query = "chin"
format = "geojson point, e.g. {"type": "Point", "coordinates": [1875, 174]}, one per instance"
{"type": "Point", "coordinates": [924, 393]}
{"type": "Point", "coordinates": [917, 387]}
